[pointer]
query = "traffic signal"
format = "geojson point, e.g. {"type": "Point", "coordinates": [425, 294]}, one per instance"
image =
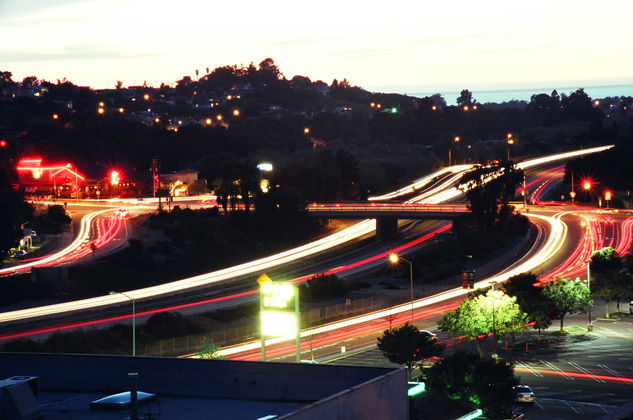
{"type": "Point", "coordinates": [115, 178]}
{"type": "Point", "coordinates": [3, 143]}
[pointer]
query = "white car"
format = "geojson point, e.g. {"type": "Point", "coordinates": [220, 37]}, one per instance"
{"type": "Point", "coordinates": [524, 394]}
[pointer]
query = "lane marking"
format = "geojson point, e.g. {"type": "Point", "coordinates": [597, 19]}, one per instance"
{"type": "Point", "coordinates": [571, 406]}
{"type": "Point", "coordinates": [561, 372]}
{"type": "Point", "coordinates": [613, 372]}
{"type": "Point", "coordinates": [529, 368]}
{"type": "Point", "coordinates": [583, 370]}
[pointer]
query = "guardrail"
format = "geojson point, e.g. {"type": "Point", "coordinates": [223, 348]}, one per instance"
{"type": "Point", "coordinates": [373, 207]}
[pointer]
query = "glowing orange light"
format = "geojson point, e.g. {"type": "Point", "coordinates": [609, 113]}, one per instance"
{"type": "Point", "coordinates": [146, 97]}
{"type": "Point", "coordinates": [156, 120]}
{"type": "Point", "coordinates": [101, 110]}
{"type": "Point", "coordinates": [372, 104]}
{"type": "Point", "coordinates": [475, 107]}
{"type": "Point", "coordinates": [434, 108]}
{"type": "Point", "coordinates": [219, 117]}
{"type": "Point", "coordinates": [509, 136]}
{"type": "Point", "coordinates": [607, 195]}
{"type": "Point", "coordinates": [208, 121]}
{"type": "Point", "coordinates": [236, 112]}
{"type": "Point", "coordinates": [465, 107]}
{"type": "Point", "coordinates": [510, 141]}
{"type": "Point", "coordinates": [596, 102]}
{"type": "Point", "coordinates": [306, 130]}
{"type": "Point", "coordinates": [121, 110]}
{"type": "Point", "coordinates": [457, 139]}
{"type": "Point", "coordinates": [229, 97]}
{"type": "Point", "coordinates": [378, 106]}
{"type": "Point", "coordinates": [55, 116]}
{"type": "Point", "coordinates": [101, 104]}
{"type": "Point", "coordinates": [586, 185]}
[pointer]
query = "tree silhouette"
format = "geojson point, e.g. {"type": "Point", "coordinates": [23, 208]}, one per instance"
{"type": "Point", "coordinates": [609, 279]}
{"type": "Point", "coordinates": [467, 377]}
{"type": "Point", "coordinates": [407, 345]}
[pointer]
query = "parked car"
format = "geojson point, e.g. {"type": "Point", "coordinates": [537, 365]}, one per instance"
{"type": "Point", "coordinates": [429, 334]}
{"type": "Point", "coordinates": [524, 393]}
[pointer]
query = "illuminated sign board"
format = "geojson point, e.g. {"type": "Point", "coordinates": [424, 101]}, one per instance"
{"type": "Point", "coordinates": [279, 310]}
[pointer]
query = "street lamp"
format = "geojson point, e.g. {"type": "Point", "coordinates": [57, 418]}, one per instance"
{"type": "Point", "coordinates": [589, 325]}
{"type": "Point", "coordinates": [493, 307]}
{"type": "Point", "coordinates": [133, 319]}
{"type": "Point", "coordinates": [394, 259]}
{"type": "Point", "coordinates": [456, 140]}
{"type": "Point", "coordinates": [607, 197]}
{"type": "Point", "coordinates": [510, 142]}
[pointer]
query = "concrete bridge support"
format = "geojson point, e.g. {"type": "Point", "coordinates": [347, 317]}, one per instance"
{"type": "Point", "coordinates": [386, 226]}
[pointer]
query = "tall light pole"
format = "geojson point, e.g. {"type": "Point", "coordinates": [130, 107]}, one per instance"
{"type": "Point", "coordinates": [394, 259]}
{"type": "Point", "coordinates": [510, 142]}
{"type": "Point", "coordinates": [493, 308]}
{"type": "Point", "coordinates": [589, 325]}
{"type": "Point", "coordinates": [572, 193]}
{"type": "Point", "coordinates": [133, 319]}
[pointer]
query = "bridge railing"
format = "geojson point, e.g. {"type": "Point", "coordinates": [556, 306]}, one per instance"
{"type": "Point", "coordinates": [353, 207]}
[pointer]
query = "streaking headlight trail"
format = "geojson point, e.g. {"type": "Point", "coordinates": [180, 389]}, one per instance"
{"type": "Point", "coordinates": [257, 266]}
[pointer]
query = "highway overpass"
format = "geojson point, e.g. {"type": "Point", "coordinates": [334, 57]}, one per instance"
{"type": "Point", "coordinates": [386, 214]}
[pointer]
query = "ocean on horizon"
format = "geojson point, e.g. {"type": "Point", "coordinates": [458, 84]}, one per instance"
{"type": "Point", "coordinates": [498, 96]}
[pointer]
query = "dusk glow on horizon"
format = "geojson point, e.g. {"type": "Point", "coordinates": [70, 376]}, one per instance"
{"type": "Point", "coordinates": [404, 47]}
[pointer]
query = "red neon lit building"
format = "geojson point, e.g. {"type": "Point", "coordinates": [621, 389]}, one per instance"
{"type": "Point", "coordinates": [36, 176]}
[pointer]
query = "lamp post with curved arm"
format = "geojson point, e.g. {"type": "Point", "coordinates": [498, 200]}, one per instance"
{"type": "Point", "coordinates": [394, 259]}
{"type": "Point", "coordinates": [133, 319]}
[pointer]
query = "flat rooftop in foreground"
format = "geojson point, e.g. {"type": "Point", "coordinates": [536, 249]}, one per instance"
{"type": "Point", "coordinates": [76, 405]}
{"type": "Point", "coordinates": [213, 389]}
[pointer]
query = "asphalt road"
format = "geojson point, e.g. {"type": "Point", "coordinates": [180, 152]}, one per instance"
{"type": "Point", "coordinates": [581, 375]}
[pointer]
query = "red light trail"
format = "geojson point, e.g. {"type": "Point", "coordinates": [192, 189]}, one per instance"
{"type": "Point", "coordinates": [219, 299]}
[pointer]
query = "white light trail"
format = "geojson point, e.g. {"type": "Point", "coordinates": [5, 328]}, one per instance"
{"type": "Point", "coordinates": [260, 265]}
{"type": "Point", "coordinates": [554, 242]}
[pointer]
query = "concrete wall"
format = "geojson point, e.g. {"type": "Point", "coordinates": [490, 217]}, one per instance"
{"type": "Point", "coordinates": [382, 398]}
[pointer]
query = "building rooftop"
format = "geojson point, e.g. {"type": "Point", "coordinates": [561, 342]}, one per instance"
{"type": "Point", "coordinates": [218, 389]}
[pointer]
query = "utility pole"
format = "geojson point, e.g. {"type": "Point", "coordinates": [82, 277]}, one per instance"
{"type": "Point", "coordinates": [156, 180]}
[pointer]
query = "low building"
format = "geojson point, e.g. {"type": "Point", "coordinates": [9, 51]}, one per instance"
{"type": "Point", "coordinates": [65, 385]}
